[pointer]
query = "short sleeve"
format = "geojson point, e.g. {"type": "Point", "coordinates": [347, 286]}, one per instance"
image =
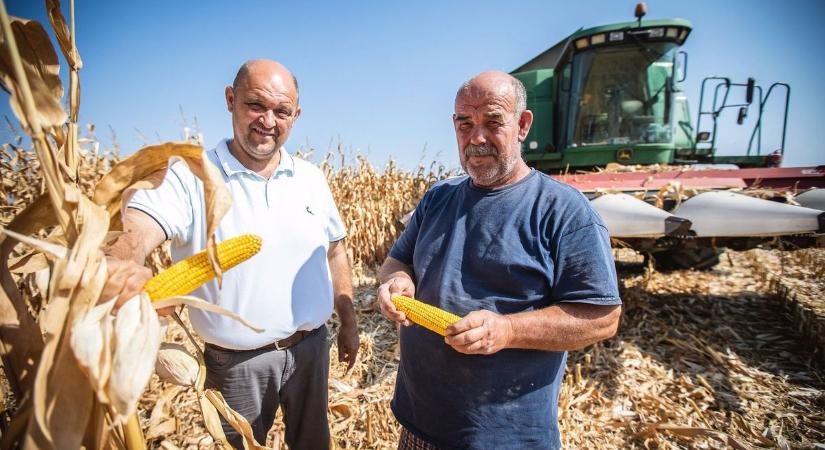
{"type": "Point", "coordinates": [334, 226]}
{"type": "Point", "coordinates": [169, 205]}
{"type": "Point", "coordinates": [585, 271]}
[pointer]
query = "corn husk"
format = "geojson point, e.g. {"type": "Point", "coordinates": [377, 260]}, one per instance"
{"type": "Point", "coordinates": [176, 365]}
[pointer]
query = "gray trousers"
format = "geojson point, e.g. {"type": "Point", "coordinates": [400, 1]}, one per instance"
{"type": "Point", "coordinates": [254, 383]}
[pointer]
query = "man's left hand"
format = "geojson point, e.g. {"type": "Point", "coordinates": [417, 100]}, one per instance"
{"type": "Point", "coordinates": [348, 341]}
{"type": "Point", "coordinates": [480, 333]}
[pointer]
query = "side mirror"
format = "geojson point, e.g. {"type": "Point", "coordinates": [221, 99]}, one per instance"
{"type": "Point", "coordinates": [743, 113]}
{"type": "Point", "coordinates": [702, 136]}
{"type": "Point", "coordinates": [682, 66]}
{"type": "Point", "coordinates": [749, 92]}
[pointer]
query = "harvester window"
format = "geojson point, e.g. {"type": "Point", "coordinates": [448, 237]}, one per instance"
{"type": "Point", "coordinates": [620, 95]}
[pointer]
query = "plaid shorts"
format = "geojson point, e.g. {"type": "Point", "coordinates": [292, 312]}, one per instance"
{"type": "Point", "coordinates": [409, 441]}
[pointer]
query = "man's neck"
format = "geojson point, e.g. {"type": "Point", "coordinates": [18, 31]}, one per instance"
{"type": "Point", "coordinates": [517, 174]}
{"type": "Point", "coordinates": [263, 167]}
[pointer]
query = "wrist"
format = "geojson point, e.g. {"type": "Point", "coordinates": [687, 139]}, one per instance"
{"type": "Point", "coordinates": [346, 312]}
{"type": "Point", "coordinates": [509, 331]}
{"type": "Point", "coordinates": [348, 320]}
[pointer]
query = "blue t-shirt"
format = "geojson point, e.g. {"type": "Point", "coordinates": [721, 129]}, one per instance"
{"type": "Point", "coordinates": [522, 247]}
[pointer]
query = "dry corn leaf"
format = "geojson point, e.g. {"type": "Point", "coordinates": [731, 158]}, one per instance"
{"type": "Point", "coordinates": [41, 67]}
{"type": "Point", "coordinates": [159, 411]}
{"type": "Point", "coordinates": [21, 335]}
{"type": "Point", "coordinates": [54, 250]}
{"type": "Point", "coordinates": [237, 421]}
{"type": "Point", "coordinates": [61, 31]}
{"type": "Point", "coordinates": [28, 263]}
{"type": "Point", "coordinates": [692, 432]}
{"type": "Point", "coordinates": [60, 383]}
{"type": "Point", "coordinates": [91, 342]}
{"type": "Point", "coordinates": [137, 336]}
{"type": "Point", "coordinates": [161, 429]}
{"type": "Point", "coordinates": [195, 302]}
{"type": "Point", "coordinates": [211, 418]}
{"type": "Point", "coordinates": [146, 169]}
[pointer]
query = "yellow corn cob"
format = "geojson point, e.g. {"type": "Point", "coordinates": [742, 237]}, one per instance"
{"type": "Point", "coordinates": [185, 276]}
{"type": "Point", "coordinates": [428, 316]}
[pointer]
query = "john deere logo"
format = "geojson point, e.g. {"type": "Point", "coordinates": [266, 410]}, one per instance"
{"type": "Point", "coordinates": [625, 154]}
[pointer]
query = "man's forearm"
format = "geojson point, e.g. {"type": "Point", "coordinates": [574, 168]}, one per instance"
{"type": "Point", "coordinates": [128, 247]}
{"type": "Point", "coordinates": [563, 327]}
{"type": "Point", "coordinates": [393, 268]}
{"type": "Point", "coordinates": [141, 235]}
{"type": "Point", "coordinates": [341, 283]}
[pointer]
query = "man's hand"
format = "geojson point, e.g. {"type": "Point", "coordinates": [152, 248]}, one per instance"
{"type": "Point", "coordinates": [395, 286]}
{"type": "Point", "coordinates": [348, 341]}
{"type": "Point", "coordinates": [125, 280]}
{"type": "Point", "coordinates": [480, 332]}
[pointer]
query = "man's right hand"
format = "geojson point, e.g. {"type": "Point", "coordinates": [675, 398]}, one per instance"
{"type": "Point", "coordinates": [395, 286]}
{"type": "Point", "coordinates": [125, 280]}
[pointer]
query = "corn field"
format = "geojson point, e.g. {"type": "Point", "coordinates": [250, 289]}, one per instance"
{"type": "Point", "coordinates": [713, 359]}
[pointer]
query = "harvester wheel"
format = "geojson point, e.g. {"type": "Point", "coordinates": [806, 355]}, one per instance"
{"type": "Point", "coordinates": [701, 258]}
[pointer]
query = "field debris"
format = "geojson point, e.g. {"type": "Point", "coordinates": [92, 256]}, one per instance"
{"type": "Point", "coordinates": [702, 360]}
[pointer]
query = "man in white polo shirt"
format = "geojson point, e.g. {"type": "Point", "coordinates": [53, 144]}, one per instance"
{"type": "Point", "coordinates": [289, 288]}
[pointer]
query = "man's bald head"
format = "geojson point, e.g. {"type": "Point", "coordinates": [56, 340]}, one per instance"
{"type": "Point", "coordinates": [499, 83]}
{"type": "Point", "coordinates": [262, 64]}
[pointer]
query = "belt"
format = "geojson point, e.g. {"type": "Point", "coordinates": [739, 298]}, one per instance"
{"type": "Point", "coordinates": [282, 344]}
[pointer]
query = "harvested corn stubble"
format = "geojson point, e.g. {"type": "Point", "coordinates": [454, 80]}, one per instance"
{"type": "Point", "coordinates": [187, 275]}
{"type": "Point", "coordinates": [428, 316]}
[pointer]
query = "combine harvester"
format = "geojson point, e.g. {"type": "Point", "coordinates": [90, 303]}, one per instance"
{"type": "Point", "coordinates": [612, 96]}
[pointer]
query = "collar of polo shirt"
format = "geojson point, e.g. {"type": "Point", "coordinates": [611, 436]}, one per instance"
{"type": "Point", "coordinates": [231, 165]}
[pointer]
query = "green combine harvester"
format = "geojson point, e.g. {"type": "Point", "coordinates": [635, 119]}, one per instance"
{"type": "Point", "coordinates": [612, 95]}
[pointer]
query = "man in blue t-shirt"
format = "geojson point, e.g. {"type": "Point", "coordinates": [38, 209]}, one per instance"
{"type": "Point", "coordinates": [524, 259]}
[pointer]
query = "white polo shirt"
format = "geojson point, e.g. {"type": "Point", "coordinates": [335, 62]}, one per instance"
{"type": "Point", "coordinates": [285, 287]}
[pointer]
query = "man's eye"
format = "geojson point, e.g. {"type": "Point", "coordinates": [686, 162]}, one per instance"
{"type": "Point", "coordinates": [465, 126]}
{"type": "Point", "coordinates": [256, 106]}
{"type": "Point", "coordinates": [283, 114]}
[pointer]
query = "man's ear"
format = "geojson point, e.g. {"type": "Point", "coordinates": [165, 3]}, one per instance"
{"type": "Point", "coordinates": [230, 98]}
{"type": "Point", "coordinates": [524, 124]}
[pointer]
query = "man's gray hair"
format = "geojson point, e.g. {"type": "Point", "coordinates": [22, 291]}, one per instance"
{"type": "Point", "coordinates": [515, 84]}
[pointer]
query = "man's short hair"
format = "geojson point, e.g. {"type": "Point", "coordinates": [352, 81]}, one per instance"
{"type": "Point", "coordinates": [244, 71]}
{"type": "Point", "coordinates": [518, 88]}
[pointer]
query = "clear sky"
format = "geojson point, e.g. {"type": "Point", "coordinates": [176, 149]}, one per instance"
{"type": "Point", "coordinates": [380, 77]}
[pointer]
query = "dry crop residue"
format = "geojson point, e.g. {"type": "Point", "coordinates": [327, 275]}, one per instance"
{"type": "Point", "coordinates": [702, 360]}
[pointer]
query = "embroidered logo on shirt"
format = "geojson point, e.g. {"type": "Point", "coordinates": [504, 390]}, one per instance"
{"type": "Point", "coordinates": [309, 210]}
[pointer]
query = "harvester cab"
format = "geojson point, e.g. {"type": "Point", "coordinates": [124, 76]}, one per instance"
{"type": "Point", "coordinates": [614, 94]}
{"type": "Point", "coordinates": [607, 94]}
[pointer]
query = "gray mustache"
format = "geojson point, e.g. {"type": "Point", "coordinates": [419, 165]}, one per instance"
{"type": "Point", "coordinates": [480, 150]}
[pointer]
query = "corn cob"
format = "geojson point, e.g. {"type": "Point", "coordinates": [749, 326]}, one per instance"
{"type": "Point", "coordinates": [185, 276]}
{"type": "Point", "coordinates": [428, 316]}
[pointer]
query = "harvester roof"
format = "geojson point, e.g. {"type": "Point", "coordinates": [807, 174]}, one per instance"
{"type": "Point", "coordinates": [549, 58]}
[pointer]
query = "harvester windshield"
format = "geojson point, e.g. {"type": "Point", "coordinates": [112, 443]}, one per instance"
{"type": "Point", "coordinates": [621, 94]}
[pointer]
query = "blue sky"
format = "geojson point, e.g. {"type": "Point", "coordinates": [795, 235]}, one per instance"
{"type": "Point", "coordinates": [379, 77]}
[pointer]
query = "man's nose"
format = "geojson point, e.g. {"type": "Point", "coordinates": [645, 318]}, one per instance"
{"type": "Point", "coordinates": [268, 119]}
{"type": "Point", "coordinates": [477, 136]}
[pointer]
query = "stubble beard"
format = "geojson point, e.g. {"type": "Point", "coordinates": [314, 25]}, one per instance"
{"type": "Point", "coordinates": [486, 176]}
{"type": "Point", "coordinates": [258, 151]}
